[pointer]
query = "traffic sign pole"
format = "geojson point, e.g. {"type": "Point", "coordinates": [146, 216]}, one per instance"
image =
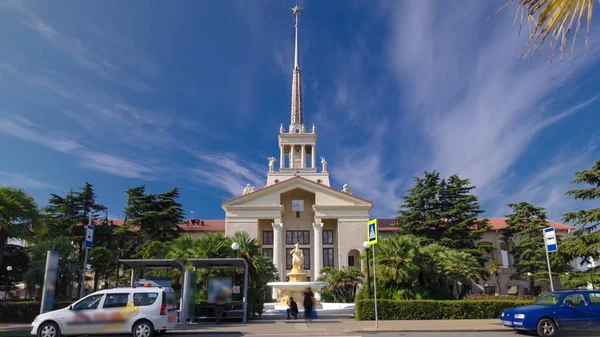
{"type": "Point", "coordinates": [89, 235]}
{"type": "Point", "coordinates": [372, 236]}
{"type": "Point", "coordinates": [551, 247]}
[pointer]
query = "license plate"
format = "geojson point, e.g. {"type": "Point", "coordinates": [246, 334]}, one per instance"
{"type": "Point", "coordinates": [507, 323]}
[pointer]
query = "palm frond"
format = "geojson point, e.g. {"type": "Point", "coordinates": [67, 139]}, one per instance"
{"type": "Point", "coordinates": [553, 20]}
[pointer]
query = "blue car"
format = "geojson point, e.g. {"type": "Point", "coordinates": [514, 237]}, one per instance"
{"type": "Point", "coordinates": [557, 311]}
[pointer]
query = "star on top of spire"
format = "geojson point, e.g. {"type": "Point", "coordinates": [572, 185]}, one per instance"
{"type": "Point", "coordinates": [297, 10]}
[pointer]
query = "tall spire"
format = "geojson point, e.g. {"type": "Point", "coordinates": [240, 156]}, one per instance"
{"type": "Point", "coordinates": [297, 120]}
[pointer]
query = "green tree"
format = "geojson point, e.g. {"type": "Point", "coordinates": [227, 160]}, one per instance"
{"type": "Point", "coordinates": [444, 211]}
{"type": "Point", "coordinates": [526, 230]}
{"type": "Point", "coordinates": [19, 215]}
{"type": "Point", "coordinates": [100, 259]}
{"type": "Point", "coordinates": [410, 268]}
{"type": "Point", "coordinates": [153, 216]}
{"type": "Point", "coordinates": [15, 258]}
{"type": "Point", "coordinates": [494, 269]}
{"type": "Point", "coordinates": [342, 283]}
{"type": "Point", "coordinates": [70, 267]}
{"type": "Point", "coordinates": [585, 240]}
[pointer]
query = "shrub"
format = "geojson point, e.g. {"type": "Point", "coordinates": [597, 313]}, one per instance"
{"type": "Point", "coordinates": [24, 311]}
{"type": "Point", "coordinates": [429, 309]}
{"type": "Point", "coordinates": [501, 298]}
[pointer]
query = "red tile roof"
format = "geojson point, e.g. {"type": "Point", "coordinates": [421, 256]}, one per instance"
{"type": "Point", "coordinates": [387, 225]}
{"type": "Point", "coordinates": [189, 225]}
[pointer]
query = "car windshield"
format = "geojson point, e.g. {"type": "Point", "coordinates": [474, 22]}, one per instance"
{"type": "Point", "coordinates": [549, 299]}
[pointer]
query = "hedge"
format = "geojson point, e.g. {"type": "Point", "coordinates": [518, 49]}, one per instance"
{"type": "Point", "coordinates": [25, 311]}
{"type": "Point", "coordinates": [429, 309]}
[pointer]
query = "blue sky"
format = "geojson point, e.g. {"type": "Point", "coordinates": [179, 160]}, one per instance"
{"type": "Point", "coordinates": [190, 94]}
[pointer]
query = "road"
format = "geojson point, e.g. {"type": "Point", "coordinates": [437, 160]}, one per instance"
{"type": "Point", "coordinates": [383, 334]}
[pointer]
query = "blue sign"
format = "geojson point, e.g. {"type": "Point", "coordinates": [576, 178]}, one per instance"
{"type": "Point", "coordinates": [89, 236]}
{"type": "Point", "coordinates": [550, 238]}
{"type": "Point", "coordinates": [372, 232]}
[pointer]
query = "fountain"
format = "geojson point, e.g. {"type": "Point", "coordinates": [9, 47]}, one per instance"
{"type": "Point", "coordinates": [297, 283]}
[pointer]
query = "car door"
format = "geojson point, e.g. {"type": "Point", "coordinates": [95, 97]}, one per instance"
{"type": "Point", "coordinates": [80, 318]}
{"type": "Point", "coordinates": [573, 312]}
{"type": "Point", "coordinates": [115, 313]}
{"type": "Point", "coordinates": [594, 300]}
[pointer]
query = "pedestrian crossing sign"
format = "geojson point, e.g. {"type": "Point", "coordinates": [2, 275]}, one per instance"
{"type": "Point", "coordinates": [372, 232]}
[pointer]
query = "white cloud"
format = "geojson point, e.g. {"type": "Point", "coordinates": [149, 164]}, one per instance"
{"type": "Point", "coordinates": [24, 129]}
{"type": "Point", "coordinates": [229, 173]}
{"type": "Point", "coordinates": [22, 181]}
{"type": "Point", "coordinates": [478, 106]}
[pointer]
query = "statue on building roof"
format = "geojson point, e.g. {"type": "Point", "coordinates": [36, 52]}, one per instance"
{"type": "Point", "coordinates": [323, 165]}
{"type": "Point", "coordinates": [347, 189]}
{"type": "Point", "coordinates": [272, 161]}
{"type": "Point", "coordinates": [247, 189]}
{"type": "Point", "coordinates": [281, 129]}
{"type": "Point", "coordinates": [314, 128]}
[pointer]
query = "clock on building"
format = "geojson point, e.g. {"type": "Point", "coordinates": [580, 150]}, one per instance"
{"type": "Point", "coordinates": [297, 205]}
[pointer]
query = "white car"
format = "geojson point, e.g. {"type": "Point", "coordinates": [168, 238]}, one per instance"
{"type": "Point", "coordinates": [141, 311]}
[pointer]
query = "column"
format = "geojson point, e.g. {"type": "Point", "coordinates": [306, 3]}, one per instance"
{"type": "Point", "coordinates": [292, 148]}
{"type": "Point", "coordinates": [318, 253]}
{"type": "Point", "coordinates": [312, 156]}
{"type": "Point", "coordinates": [281, 156]}
{"type": "Point", "coordinates": [303, 165]}
{"type": "Point", "coordinates": [277, 251]}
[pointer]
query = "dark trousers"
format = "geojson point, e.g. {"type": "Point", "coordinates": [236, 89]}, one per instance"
{"type": "Point", "coordinates": [293, 313]}
{"type": "Point", "coordinates": [219, 309]}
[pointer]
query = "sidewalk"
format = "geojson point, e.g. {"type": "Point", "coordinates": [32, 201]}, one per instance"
{"type": "Point", "coordinates": [324, 325]}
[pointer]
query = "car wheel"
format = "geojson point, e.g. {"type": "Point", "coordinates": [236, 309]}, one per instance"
{"type": "Point", "coordinates": [546, 327]}
{"type": "Point", "coordinates": [48, 329]}
{"type": "Point", "coordinates": [143, 329]}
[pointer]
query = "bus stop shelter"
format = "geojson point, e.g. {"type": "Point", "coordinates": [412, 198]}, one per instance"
{"type": "Point", "coordinates": [186, 282]}
{"type": "Point", "coordinates": [227, 263]}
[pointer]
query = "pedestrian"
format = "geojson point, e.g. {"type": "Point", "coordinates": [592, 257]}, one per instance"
{"type": "Point", "coordinates": [308, 299]}
{"type": "Point", "coordinates": [220, 301]}
{"type": "Point", "coordinates": [292, 309]}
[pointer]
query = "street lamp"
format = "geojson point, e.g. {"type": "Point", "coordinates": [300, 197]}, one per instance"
{"type": "Point", "coordinates": [9, 268]}
{"type": "Point", "coordinates": [531, 284]}
{"type": "Point", "coordinates": [234, 246]}
{"type": "Point", "coordinates": [366, 246]}
{"type": "Point", "coordinates": [591, 274]}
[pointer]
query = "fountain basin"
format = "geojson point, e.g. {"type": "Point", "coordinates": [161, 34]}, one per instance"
{"type": "Point", "coordinates": [285, 290]}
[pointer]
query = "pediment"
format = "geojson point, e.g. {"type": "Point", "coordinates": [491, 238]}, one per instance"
{"type": "Point", "coordinates": [270, 195]}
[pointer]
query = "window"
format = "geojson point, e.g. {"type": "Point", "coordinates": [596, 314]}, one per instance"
{"type": "Point", "coordinates": [594, 299]}
{"type": "Point", "coordinates": [328, 257]}
{"type": "Point", "coordinates": [268, 252]}
{"type": "Point", "coordinates": [327, 237]}
{"type": "Point", "coordinates": [144, 299]}
{"type": "Point", "coordinates": [575, 300]}
{"type": "Point", "coordinates": [267, 238]}
{"type": "Point", "coordinates": [300, 237]}
{"type": "Point", "coordinates": [116, 301]}
{"type": "Point", "coordinates": [90, 302]}
{"type": "Point", "coordinates": [350, 261]}
{"type": "Point", "coordinates": [288, 259]}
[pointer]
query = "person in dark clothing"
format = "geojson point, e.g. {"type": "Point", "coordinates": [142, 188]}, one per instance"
{"type": "Point", "coordinates": [307, 300]}
{"type": "Point", "coordinates": [220, 300]}
{"type": "Point", "coordinates": [293, 308]}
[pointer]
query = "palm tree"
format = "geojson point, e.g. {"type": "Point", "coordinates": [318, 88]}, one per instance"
{"type": "Point", "coordinates": [400, 260]}
{"type": "Point", "coordinates": [342, 283]}
{"type": "Point", "coordinates": [494, 269]}
{"type": "Point", "coordinates": [19, 214]}
{"type": "Point", "coordinates": [553, 19]}
{"type": "Point", "coordinates": [460, 267]}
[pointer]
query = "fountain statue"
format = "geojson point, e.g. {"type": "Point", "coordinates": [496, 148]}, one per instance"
{"type": "Point", "coordinates": [297, 283]}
